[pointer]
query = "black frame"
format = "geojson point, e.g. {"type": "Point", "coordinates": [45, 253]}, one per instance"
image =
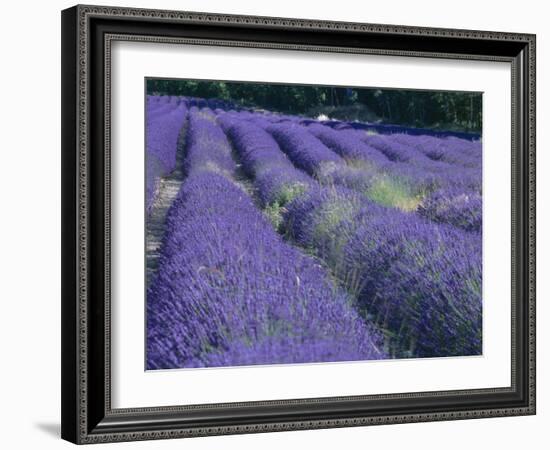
{"type": "Point", "coordinates": [87, 33]}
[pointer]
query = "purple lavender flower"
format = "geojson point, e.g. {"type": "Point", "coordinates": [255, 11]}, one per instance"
{"type": "Point", "coordinates": [390, 173]}
{"type": "Point", "coordinates": [393, 150]}
{"type": "Point", "coordinates": [207, 146]}
{"type": "Point", "coordinates": [277, 180]}
{"type": "Point", "coordinates": [348, 145]}
{"type": "Point", "coordinates": [450, 150]}
{"type": "Point", "coordinates": [454, 206]}
{"type": "Point", "coordinates": [305, 150]}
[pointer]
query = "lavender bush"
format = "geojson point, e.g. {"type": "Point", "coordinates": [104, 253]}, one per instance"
{"type": "Point", "coordinates": [454, 206]}
{"type": "Point", "coordinates": [348, 145]}
{"type": "Point", "coordinates": [305, 150]}
{"type": "Point", "coordinates": [450, 150]}
{"type": "Point", "coordinates": [277, 180]}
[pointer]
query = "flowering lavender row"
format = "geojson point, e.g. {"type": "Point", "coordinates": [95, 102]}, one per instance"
{"type": "Point", "coordinates": [378, 150]}
{"type": "Point", "coordinates": [457, 201]}
{"type": "Point", "coordinates": [229, 291]}
{"type": "Point", "coordinates": [368, 176]}
{"type": "Point", "coordinates": [394, 129]}
{"type": "Point", "coordinates": [348, 145]}
{"type": "Point", "coordinates": [162, 136]}
{"type": "Point", "coordinates": [276, 179]}
{"type": "Point", "coordinates": [410, 175]}
{"type": "Point", "coordinates": [443, 172]}
{"type": "Point", "coordinates": [469, 147]}
{"type": "Point", "coordinates": [371, 172]}
{"type": "Point", "coordinates": [305, 150]}
{"type": "Point", "coordinates": [157, 106]}
{"type": "Point", "coordinates": [156, 112]}
{"type": "Point", "coordinates": [450, 150]}
{"type": "Point", "coordinates": [458, 207]}
{"type": "Point", "coordinates": [160, 99]}
{"type": "Point", "coordinates": [395, 151]}
{"type": "Point", "coordinates": [410, 181]}
{"type": "Point", "coordinates": [419, 280]}
{"type": "Point", "coordinates": [207, 147]}
{"type": "Point", "coordinates": [310, 153]}
{"type": "Point", "coordinates": [402, 183]}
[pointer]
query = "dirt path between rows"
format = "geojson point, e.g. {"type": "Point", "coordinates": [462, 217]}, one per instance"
{"type": "Point", "coordinates": [168, 188]}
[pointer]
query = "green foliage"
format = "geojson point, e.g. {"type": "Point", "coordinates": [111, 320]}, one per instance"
{"type": "Point", "coordinates": [274, 213]}
{"type": "Point", "coordinates": [417, 108]}
{"type": "Point", "coordinates": [290, 191]}
{"type": "Point", "coordinates": [435, 109]}
{"type": "Point", "coordinates": [390, 192]}
{"type": "Point", "coordinates": [275, 210]}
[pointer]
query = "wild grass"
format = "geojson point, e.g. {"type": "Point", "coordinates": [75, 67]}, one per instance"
{"type": "Point", "coordinates": [391, 192]}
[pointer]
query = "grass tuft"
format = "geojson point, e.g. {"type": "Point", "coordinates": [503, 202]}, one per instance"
{"type": "Point", "coordinates": [390, 192]}
{"type": "Point", "coordinates": [289, 192]}
{"type": "Point", "coordinates": [274, 213]}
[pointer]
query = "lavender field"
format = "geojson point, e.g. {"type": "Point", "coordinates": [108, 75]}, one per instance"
{"type": "Point", "coordinates": [276, 238]}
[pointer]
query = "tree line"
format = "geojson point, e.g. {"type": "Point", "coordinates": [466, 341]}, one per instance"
{"type": "Point", "coordinates": [418, 108]}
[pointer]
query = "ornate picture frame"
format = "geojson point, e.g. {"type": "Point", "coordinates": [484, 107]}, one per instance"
{"type": "Point", "coordinates": [88, 33]}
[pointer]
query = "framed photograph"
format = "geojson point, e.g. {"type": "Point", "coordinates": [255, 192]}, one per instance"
{"type": "Point", "coordinates": [279, 224]}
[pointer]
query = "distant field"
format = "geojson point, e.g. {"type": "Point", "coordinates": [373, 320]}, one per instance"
{"type": "Point", "coordinates": [276, 238]}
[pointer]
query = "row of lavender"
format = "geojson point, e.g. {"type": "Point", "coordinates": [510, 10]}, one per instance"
{"type": "Point", "coordinates": [165, 117]}
{"type": "Point", "coordinates": [439, 178]}
{"type": "Point", "coordinates": [229, 290]}
{"type": "Point", "coordinates": [418, 280]}
{"type": "Point", "coordinates": [165, 120]}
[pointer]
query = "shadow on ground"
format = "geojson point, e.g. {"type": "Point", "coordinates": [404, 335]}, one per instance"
{"type": "Point", "coordinates": [53, 429]}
